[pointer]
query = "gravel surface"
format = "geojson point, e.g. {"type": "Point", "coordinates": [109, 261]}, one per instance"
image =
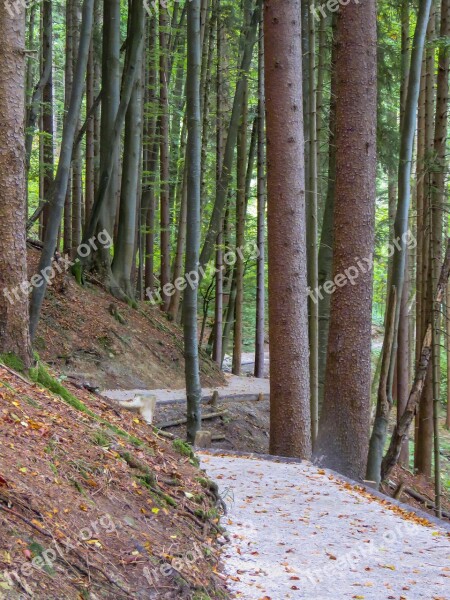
{"type": "Point", "coordinates": [297, 531]}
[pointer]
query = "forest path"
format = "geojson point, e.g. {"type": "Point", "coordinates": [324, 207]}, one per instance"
{"type": "Point", "coordinates": [236, 387]}
{"type": "Point", "coordinates": [297, 531]}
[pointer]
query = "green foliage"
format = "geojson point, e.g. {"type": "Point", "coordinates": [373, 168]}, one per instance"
{"type": "Point", "coordinates": [12, 361]}
{"type": "Point", "coordinates": [185, 450]}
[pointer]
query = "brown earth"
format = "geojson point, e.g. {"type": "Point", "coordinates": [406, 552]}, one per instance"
{"type": "Point", "coordinates": [94, 505]}
{"type": "Point", "coordinates": [137, 348]}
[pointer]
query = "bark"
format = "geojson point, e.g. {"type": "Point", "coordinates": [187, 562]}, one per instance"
{"type": "Point", "coordinates": [63, 172]}
{"type": "Point", "coordinates": [240, 235]}
{"type": "Point", "coordinates": [221, 99]}
{"type": "Point", "coordinates": [193, 159]}
{"type": "Point", "coordinates": [290, 417]}
{"type": "Point", "coordinates": [261, 216]}
{"type": "Point", "coordinates": [47, 114]}
{"type": "Point", "coordinates": [325, 259]}
{"type": "Point", "coordinates": [151, 147]}
{"type": "Point", "coordinates": [90, 134]}
{"type": "Point", "coordinates": [68, 82]}
{"type": "Point", "coordinates": [401, 430]}
{"type": "Point", "coordinates": [77, 193]}
{"type": "Point", "coordinates": [181, 242]}
{"type": "Point", "coordinates": [311, 231]}
{"type": "Point", "coordinates": [225, 178]}
{"type": "Point", "coordinates": [344, 424]}
{"type": "Point", "coordinates": [14, 336]}
{"type": "Point", "coordinates": [424, 440]}
{"type": "Point", "coordinates": [124, 254]}
{"type": "Point", "coordinates": [164, 154]}
{"type": "Point", "coordinates": [400, 228]}
{"type": "Point", "coordinates": [35, 102]}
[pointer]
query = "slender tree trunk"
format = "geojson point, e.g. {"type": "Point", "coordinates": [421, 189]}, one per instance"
{"type": "Point", "coordinates": [77, 189]}
{"type": "Point", "coordinates": [240, 236]}
{"type": "Point", "coordinates": [290, 417]}
{"type": "Point", "coordinates": [47, 114]}
{"type": "Point", "coordinates": [400, 228]}
{"type": "Point", "coordinates": [14, 335]}
{"type": "Point", "coordinates": [193, 159]}
{"type": "Point", "coordinates": [90, 135]}
{"type": "Point", "coordinates": [311, 231]}
{"type": "Point", "coordinates": [220, 147]}
{"type": "Point", "coordinates": [261, 216]}
{"type": "Point", "coordinates": [424, 442]}
{"type": "Point", "coordinates": [401, 430]}
{"type": "Point", "coordinates": [181, 242]}
{"type": "Point", "coordinates": [124, 255]}
{"type": "Point", "coordinates": [110, 106]}
{"type": "Point", "coordinates": [225, 178]}
{"type": "Point", "coordinates": [164, 153]}
{"type": "Point", "coordinates": [345, 419]}
{"type": "Point", "coordinates": [325, 260]}
{"type": "Point", "coordinates": [68, 82]}
{"type": "Point", "coordinates": [63, 172]}
{"type": "Point", "coordinates": [404, 341]}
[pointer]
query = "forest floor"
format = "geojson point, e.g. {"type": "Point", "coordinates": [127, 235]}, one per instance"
{"type": "Point", "coordinates": [94, 505]}
{"type": "Point", "coordinates": [299, 531]}
{"type": "Point", "coordinates": [89, 337]}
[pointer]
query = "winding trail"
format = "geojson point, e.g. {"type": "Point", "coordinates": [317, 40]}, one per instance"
{"type": "Point", "coordinates": [298, 531]}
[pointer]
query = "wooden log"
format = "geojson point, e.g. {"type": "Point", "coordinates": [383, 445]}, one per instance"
{"type": "Point", "coordinates": [183, 421]}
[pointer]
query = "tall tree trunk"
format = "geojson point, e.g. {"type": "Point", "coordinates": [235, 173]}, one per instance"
{"type": "Point", "coordinates": [68, 83]}
{"type": "Point", "coordinates": [240, 235]}
{"type": "Point", "coordinates": [193, 159]}
{"type": "Point", "coordinates": [63, 172]}
{"type": "Point", "coordinates": [47, 113]}
{"type": "Point", "coordinates": [311, 231]}
{"type": "Point", "coordinates": [290, 417]}
{"type": "Point", "coordinates": [90, 135]}
{"type": "Point", "coordinates": [124, 255]}
{"type": "Point", "coordinates": [379, 432]}
{"type": "Point", "coordinates": [164, 153]}
{"type": "Point", "coordinates": [424, 442]}
{"type": "Point", "coordinates": [110, 107]}
{"type": "Point", "coordinates": [404, 341]}
{"type": "Point", "coordinates": [221, 99]}
{"type": "Point", "coordinates": [325, 260]}
{"type": "Point", "coordinates": [225, 178]}
{"type": "Point", "coordinates": [77, 189]}
{"type": "Point", "coordinates": [345, 419]}
{"type": "Point", "coordinates": [14, 335]}
{"type": "Point", "coordinates": [261, 215]}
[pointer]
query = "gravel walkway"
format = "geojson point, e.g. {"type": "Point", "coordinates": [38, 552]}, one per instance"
{"type": "Point", "coordinates": [296, 531]}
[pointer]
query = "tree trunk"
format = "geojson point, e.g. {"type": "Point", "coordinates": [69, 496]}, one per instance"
{"type": "Point", "coordinates": [225, 178]}
{"type": "Point", "coordinates": [261, 216]}
{"type": "Point", "coordinates": [14, 335]}
{"type": "Point", "coordinates": [164, 154]}
{"type": "Point", "coordinates": [240, 235]}
{"type": "Point", "coordinates": [424, 441]}
{"type": "Point", "coordinates": [90, 134]}
{"type": "Point", "coordinates": [193, 159]}
{"type": "Point", "coordinates": [63, 172]}
{"type": "Point", "coordinates": [124, 255]}
{"type": "Point", "coordinates": [290, 417]}
{"type": "Point", "coordinates": [325, 260]}
{"type": "Point", "coordinates": [110, 106]}
{"type": "Point", "coordinates": [345, 420]}
{"type": "Point", "coordinates": [47, 114]}
{"type": "Point", "coordinates": [68, 83]}
{"type": "Point", "coordinates": [311, 231]}
{"type": "Point", "coordinates": [401, 430]}
{"type": "Point", "coordinates": [379, 432]}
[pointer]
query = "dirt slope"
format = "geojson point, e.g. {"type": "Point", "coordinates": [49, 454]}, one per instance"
{"type": "Point", "coordinates": [136, 348]}
{"type": "Point", "coordinates": [94, 505]}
